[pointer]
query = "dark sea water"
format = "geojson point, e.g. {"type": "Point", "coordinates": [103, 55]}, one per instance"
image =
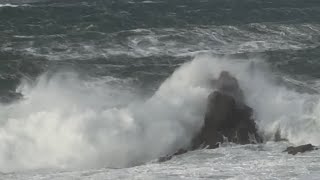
{"type": "Point", "coordinates": [139, 36]}
{"type": "Point", "coordinates": [70, 71]}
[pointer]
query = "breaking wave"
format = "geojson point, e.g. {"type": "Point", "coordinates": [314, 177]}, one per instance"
{"type": "Point", "coordinates": [67, 122]}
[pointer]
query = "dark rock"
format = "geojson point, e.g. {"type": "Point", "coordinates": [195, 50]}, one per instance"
{"type": "Point", "coordinates": [180, 151]}
{"type": "Point", "coordinates": [227, 118]}
{"type": "Point", "coordinates": [168, 157]}
{"type": "Point", "coordinates": [165, 158]}
{"type": "Point", "coordinates": [303, 148]}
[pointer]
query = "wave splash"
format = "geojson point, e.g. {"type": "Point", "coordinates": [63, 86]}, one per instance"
{"type": "Point", "coordinates": [66, 122]}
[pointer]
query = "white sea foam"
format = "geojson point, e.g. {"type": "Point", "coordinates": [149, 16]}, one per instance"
{"type": "Point", "coordinates": [66, 122]}
{"type": "Point", "coordinates": [232, 162]}
{"type": "Point", "coordinates": [14, 5]}
{"type": "Point", "coordinates": [177, 41]}
{"type": "Point", "coordinates": [8, 5]}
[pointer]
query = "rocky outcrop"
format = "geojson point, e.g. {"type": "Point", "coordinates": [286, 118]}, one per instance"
{"type": "Point", "coordinates": [228, 118]}
{"type": "Point", "coordinates": [168, 157]}
{"type": "Point", "coordinates": [303, 148]}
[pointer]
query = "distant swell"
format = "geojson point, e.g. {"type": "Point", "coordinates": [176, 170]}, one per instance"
{"type": "Point", "coordinates": [66, 122]}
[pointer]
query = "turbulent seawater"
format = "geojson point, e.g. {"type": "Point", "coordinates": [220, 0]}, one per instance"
{"type": "Point", "coordinates": [99, 89]}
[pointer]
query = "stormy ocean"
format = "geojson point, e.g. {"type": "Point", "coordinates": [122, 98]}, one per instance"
{"type": "Point", "coordinates": [99, 89]}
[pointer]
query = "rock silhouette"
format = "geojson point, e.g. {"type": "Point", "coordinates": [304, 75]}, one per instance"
{"type": "Point", "coordinates": [227, 118]}
{"type": "Point", "coordinates": [168, 157]}
{"type": "Point", "coordinates": [303, 148]}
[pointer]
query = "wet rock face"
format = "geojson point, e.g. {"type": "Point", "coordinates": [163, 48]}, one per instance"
{"type": "Point", "coordinates": [227, 118]}
{"type": "Point", "coordinates": [303, 148]}
{"type": "Point", "coordinates": [168, 157]}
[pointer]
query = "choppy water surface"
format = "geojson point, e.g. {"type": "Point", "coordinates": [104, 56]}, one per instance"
{"type": "Point", "coordinates": [99, 89]}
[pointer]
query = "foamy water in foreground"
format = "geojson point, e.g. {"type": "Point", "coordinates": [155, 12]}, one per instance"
{"type": "Point", "coordinates": [234, 162]}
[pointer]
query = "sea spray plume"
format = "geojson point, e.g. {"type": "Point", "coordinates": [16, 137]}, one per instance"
{"type": "Point", "coordinates": [66, 122]}
{"type": "Point", "coordinates": [49, 127]}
